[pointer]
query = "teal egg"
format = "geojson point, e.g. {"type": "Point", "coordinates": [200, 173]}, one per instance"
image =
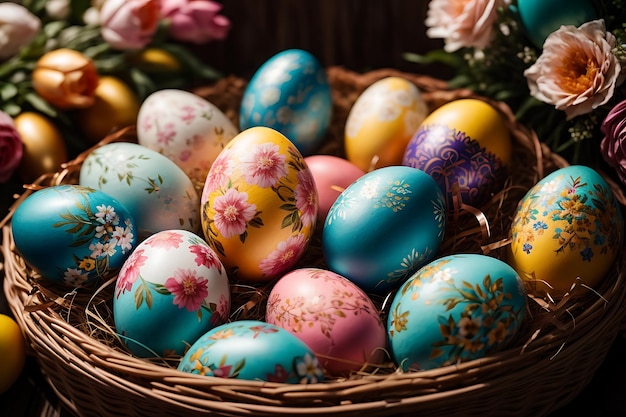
{"type": "Point", "coordinates": [542, 17]}
{"type": "Point", "coordinates": [252, 350]}
{"type": "Point", "coordinates": [383, 227]}
{"type": "Point", "coordinates": [169, 292]}
{"type": "Point", "coordinates": [456, 308]}
{"type": "Point", "coordinates": [73, 235]}
{"type": "Point", "coordinates": [290, 93]}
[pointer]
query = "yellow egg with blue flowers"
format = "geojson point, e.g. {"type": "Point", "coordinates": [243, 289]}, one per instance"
{"type": "Point", "coordinates": [567, 231]}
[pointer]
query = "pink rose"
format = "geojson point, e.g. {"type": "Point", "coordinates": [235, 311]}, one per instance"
{"type": "Point", "coordinates": [129, 24]}
{"type": "Point", "coordinates": [613, 145]}
{"type": "Point", "coordinates": [11, 147]}
{"type": "Point", "coordinates": [577, 70]}
{"type": "Point", "coordinates": [195, 21]}
{"type": "Point", "coordinates": [462, 23]}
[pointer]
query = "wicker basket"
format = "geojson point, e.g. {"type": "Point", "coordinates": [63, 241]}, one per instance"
{"type": "Point", "coordinates": [559, 349]}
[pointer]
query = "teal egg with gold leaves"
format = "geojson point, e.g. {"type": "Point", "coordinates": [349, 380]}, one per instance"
{"type": "Point", "coordinates": [252, 350]}
{"type": "Point", "coordinates": [457, 308]}
{"type": "Point", "coordinates": [73, 235]}
{"type": "Point", "coordinates": [383, 227]}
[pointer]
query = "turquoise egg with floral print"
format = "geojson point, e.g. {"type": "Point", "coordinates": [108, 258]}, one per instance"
{"type": "Point", "coordinates": [456, 308]}
{"type": "Point", "coordinates": [290, 93]}
{"type": "Point", "coordinates": [384, 226]}
{"type": "Point", "coordinates": [252, 350]}
{"type": "Point", "coordinates": [568, 231]}
{"type": "Point", "coordinates": [73, 235]}
{"type": "Point", "coordinates": [155, 190]}
{"type": "Point", "coordinates": [171, 290]}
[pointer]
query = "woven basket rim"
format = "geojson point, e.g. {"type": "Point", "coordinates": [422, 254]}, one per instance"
{"type": "Point", "coordinates": [584, 318]}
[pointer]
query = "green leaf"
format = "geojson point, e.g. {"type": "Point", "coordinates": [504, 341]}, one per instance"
{"type": "Point", "coordinates": [11, 109]}
{"type": "Point", "coordinates": [191, 61]}
{"type": "Point", "coordinates": [40, 104]}
{"type": "Point", "coordinates": [144, 86]}
{"type": "Point", "coordinates": [8, 91]}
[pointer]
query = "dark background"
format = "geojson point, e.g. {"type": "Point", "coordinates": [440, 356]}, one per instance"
{"type": "Point", "coordinates": [360, 35]}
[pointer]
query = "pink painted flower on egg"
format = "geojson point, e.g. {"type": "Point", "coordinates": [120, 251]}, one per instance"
{"type": "Point", "coordinates": [130, 271]}
{"type": "Point", "coordinates": [165, 239]}
{"type": "Point", "coordinates": [188, 289]}
{"type": "Point", "coordinates": [280, 374]}
{"type": "Point", "coordinates": [264, 165]}
{"type": "Point", "coordinates": [166, 134]}
{"type": "Point", "coordinates": [233, 212]}
{"type": "Point", "coordinates": [306, 198]}
{"type": "Point", "coordinates": [285, 255]}
{"type": "Point", "coordinates": [220, 171]}
{"type": "Point", "coordinates": [205, 256]}
{"type": "Point", "coordinates": [189, 114]}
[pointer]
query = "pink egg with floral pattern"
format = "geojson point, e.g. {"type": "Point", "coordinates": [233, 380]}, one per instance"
{"type": "Point", "coordinates": [332, 315]}
{"type": "Point", "coordinates": [186, 128]}
{"type": "Point", "coordinates": [171, 290]}
{"type": "Point", "coordinates": [259, 205]}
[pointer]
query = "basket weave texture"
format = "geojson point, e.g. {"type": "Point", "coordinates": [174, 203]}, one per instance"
{"type": "Point", "coordinates": [555, 356]}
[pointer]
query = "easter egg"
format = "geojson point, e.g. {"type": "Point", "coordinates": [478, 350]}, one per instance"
{"type": "Point", "coordinates": [73, 235]}
{"type": "Point", "coordinates": [170, 291]}
{"type": "Point", "coordinates": [454, 309]}
{"type": "Point", "coordinates": [332, 174]}
{"type": "Point", "coordinates": [568, 229]}
{"type": "Point", "coordinates": [12, 352]}
{"type": "Point", "coordinates": [186, 128]}
{"type": "Point", "coordinates": [252, 350]}
{"type": "Point", "coordinates": [44, 147]}
{"type": "Point", "coordinates": [332, 315]}
{"type": "Point", "coordinates": [156, 191]}
{"type": "Point", "coordinates": [465, 145]}
{"type": "Point", "coordinates": [382, 121]}
{"type": "Point", "coordinates": [542, 17]}
{"type": "Point", "coordinates": [383, 227]}
{"type": "Point", "coordinates": [289, 93]}
{"type": "Point", "coordinates": [259, 205]}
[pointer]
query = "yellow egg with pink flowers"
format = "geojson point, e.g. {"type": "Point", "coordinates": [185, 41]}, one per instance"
{"type": "Point", "coordinates": [259, 205]}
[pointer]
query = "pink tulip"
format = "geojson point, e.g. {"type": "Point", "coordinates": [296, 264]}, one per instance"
{"type": "Point", "coordinates": [195, 21]}
{"type": "Point", "coordinates": [11, 147]}
{"type": "Point", "coordinates": [129, 24]}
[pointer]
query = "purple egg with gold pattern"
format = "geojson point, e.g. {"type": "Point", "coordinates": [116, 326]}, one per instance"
{"type": "Point", "coordinates": [465, 145]}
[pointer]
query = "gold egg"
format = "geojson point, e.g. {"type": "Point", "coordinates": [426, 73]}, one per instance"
{"type": "Point", "coordinates": [116, 105]}
{"type": "Point", "coordinates": [156, 60]}
{"type": "Point", "coordinates": [44, 147]}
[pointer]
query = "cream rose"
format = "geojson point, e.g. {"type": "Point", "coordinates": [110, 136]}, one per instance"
{"type": "Point", "coordinates": [577, 70]}
{"type": "Point", "coordinates": [462, 23]}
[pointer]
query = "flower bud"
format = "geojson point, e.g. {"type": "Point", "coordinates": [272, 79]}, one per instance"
{"type": "Point", "coordinates": [195, 21]}
{"type": "Point", "coordinates": [613, 145]}
{"type": "Point", "coordinates": [66, 79]}
{"type": "Point", "coordinates": [11, 147]}
{"type": "Point", "coordinates": [129, 24]}
{"type": "Point", "coordinates": [18, 26]}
